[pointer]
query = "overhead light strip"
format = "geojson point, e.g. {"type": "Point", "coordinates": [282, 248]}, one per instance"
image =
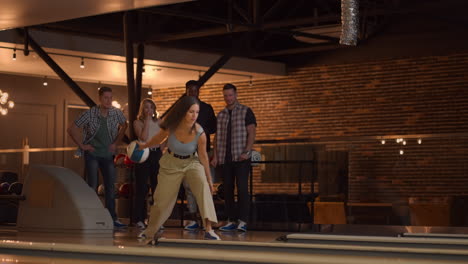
{"type": "Point", "coordinates": [122, 61]}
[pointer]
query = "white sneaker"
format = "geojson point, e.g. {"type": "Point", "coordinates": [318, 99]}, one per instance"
{"type": "Point", "coordinates": [211, 235]}
{"type": "Point", "coordinates": [118, 224]}
{"type": "Point", "coordinates": [140, 225]}
{"type": "Point", "coordinates": [242, 226]}
{"type": "Point", "coordinates": [230, 226]}
{"type": "Point", "coordinates": [192, 225]}
{"type": "Point", "coordinates": [141, 236]}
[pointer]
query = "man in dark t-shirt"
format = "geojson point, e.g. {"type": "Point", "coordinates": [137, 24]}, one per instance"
{"type": "Point", "coordinates": [236, 129]}
{"type": "Point", "coordinates": [207, 119]}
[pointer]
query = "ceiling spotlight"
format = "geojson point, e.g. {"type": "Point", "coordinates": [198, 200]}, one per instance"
{"type": "Point", "coordinates": [14, 54]}
{"type": "Point", "coordinates": [420, 141]}
{"type": "Point", "coordinates": [401, 152]}
{"type": "Point", "coordinates": [383, 141]}
{"type": "Point", "coordinates": [45, 81]}
{"type": "Point", "coordinates": [82, 66]}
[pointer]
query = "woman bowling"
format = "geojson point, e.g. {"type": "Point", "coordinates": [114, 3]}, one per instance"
{"type": "Point", "coordinates": [185, 160]}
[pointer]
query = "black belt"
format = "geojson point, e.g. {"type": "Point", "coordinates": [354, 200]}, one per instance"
{"type": "Point", "coordinates": [154, 149]}
{"type": "Point", "coordinates": [180, 156]}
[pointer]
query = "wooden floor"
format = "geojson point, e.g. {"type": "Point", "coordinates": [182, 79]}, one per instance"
{"type": "Point", "coordinates": [180, 246]}
{"type": "Point", "coordinates": [122, 238]}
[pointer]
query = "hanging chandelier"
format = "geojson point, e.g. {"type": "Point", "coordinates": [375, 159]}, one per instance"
{"type": "Point", "coordinates": [4, 103]}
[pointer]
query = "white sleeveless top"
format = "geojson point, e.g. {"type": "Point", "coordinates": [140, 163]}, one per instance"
{"type": "Point", "coordinates": [153, 129]}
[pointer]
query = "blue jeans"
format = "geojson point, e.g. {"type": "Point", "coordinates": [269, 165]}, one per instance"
{"type": "Point", "coordinates": [106, 165]}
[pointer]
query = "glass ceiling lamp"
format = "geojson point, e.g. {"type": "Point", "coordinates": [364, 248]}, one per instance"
{"type": "Point", "coordinates": [5, 104]}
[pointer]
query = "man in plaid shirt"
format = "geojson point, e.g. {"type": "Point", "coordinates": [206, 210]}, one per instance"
{"type": "Point", "coordinates": [103, 127]}
{"type": "Point", "coordinates": [234, 138]}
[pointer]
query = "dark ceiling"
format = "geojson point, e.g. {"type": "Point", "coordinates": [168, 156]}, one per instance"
{"type": "Point", "coordinates": [265, 29]}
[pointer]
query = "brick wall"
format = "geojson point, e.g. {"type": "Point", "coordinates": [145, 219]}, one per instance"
{"type": "Point", "coordinates": [352, 106]}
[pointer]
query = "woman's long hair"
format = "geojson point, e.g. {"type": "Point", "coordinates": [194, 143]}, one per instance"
{"type": "Point", "coordinates": [178, 112]}
{"type": "Point", "coordinates": [141, 116]}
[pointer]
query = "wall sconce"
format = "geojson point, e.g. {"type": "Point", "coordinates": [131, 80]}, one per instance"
{"type": "Point", "coordinates": [4, 103]}
{"type": "Point", "coordinates": [82, 66]}
{"type": "Point", "coordinates": [401, 141]}
{"type": "Point", "coordinates": [116, 104]}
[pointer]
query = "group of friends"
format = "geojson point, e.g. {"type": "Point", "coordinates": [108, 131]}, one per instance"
{"type": "Point", "coordinates": [180, 154]}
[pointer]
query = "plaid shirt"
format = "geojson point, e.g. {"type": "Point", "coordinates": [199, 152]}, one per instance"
{"type": "Point", "coordinates": [89, 121]}
{"type": "Point", "coordinates": [238, 132]}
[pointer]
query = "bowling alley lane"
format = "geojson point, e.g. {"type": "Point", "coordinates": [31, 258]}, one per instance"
{"type": "Point", "coordinates": [122, 247]}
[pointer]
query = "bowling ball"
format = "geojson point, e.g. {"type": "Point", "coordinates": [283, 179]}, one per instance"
{"type": "Point", "coordinates": [125, 190]}
{"type": "Point", "coordinates": [101, 191]}
{"type": "Point", "coordinates": [4, 186]}
{"type": "Point", "coordinates": [8, 176]}
{"type": "Point", "coordinates": [135, 154]}
{"type": "Point", "coordinates": [129, 163]}
{"type": "Point", "coordinates": [220, 191]}
{"type": "Point", "coordinates": [119, 159]}
{"type": "Point", "coordinates": [16, 188]}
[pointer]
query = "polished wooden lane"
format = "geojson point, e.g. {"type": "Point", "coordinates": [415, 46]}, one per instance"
{"type": "Point", "coordinates": [434, 241]}
{"type": "Point", "coordinates": [128, 236]}
{"type": "Point", "coordinates": [250, 247]}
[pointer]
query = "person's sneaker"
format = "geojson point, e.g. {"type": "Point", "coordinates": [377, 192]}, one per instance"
{"type": "Point", "coordinates": [153, 242]}
{"type": "Point", "coordinates": [118, 224]}
{"type": "Point", "coordinates": [230, 226]}
{"type": "Point", "coordinates": [140, 225]}
{"type": "Point", "coordinates": [193, 225]}
{"type": "Point", "coordinates": [242, 226]}
{"type": "Point", "coordinates": [211, 235]}
{"type": "Point", "coordinates": [141, 235]}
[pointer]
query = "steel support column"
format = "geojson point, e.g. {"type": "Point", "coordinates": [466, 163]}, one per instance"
{"type": "Point", "coordinates": [213, 69]}
{"type": "Point", "coordinates": [202, 80]}
{"type": "Point", "coordinates": [128, 39]}
{"type": "Point", "coordinates": [56, 68]}
{"type": "Point", "coordinates": [139, 73]}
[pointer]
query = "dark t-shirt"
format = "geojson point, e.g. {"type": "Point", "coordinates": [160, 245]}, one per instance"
{"type": "Point", "coordinates": [207, 119]}
{"type": "Point", "coordinates": [249, 120]}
